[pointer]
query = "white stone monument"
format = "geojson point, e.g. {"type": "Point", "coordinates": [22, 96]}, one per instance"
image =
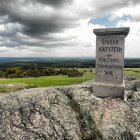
{"type": "Point", "coordinates": [110, 62]}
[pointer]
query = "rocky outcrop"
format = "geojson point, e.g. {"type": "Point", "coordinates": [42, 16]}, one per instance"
{"type": "Point", "coordinates": [70, 113]}
{"type": "Point", "coordinates": [37, 114]}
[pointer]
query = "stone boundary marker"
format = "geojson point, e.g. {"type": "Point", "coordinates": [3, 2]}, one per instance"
{"type": "Point", "coordinates": [109, 62]}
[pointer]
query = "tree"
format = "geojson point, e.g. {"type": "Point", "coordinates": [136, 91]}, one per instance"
{"type": "Point", "coordinates": [90, 70]}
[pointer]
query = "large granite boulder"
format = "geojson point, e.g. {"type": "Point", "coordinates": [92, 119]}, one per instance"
{"type": "Point", "coordinates": [37, 114]}
{"type": "Point", "coordinates": [70, 113]}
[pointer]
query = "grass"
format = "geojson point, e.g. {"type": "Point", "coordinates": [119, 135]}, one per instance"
{"type": "Point", "coordinates": [132, 72]}
{"type": "Point", "coordinates": [14, 87]}
{"type": "Point", "coordinates": [59, 80]}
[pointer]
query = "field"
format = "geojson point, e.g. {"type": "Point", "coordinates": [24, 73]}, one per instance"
{"type": "Point", "coordinates": [132, 72]}
{"type": "Point", "coordinates": [61, 80]}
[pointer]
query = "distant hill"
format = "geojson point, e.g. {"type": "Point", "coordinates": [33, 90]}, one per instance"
{"type": "Point", "coordinates": [59, 62]}
{"type": "Point", "coordinates": [42, 59]}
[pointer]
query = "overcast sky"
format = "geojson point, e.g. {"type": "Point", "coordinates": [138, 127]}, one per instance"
{"type": "Point", "coordinates": [45, 28]}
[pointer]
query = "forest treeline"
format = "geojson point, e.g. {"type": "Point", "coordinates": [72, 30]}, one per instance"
{"type": "Point", "coordinates": [30, 63]}
{"type": "Point", "coordinates": [17, 72]}
{"type": "Point", "coordinates": [31, 67]}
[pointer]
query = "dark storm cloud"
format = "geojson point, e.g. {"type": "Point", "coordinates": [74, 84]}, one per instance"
{"type": "Point", "coordinates": [55, 3]}
{"type": "Point", "coordinates": [36, 25]}
{"type": "Point", "coordinates": [52, 25]}
{"type": "Point", "coordinates": [20, 43]}
{"type": "Point", "coordinates": [37, 22]}
{"type": "Point", "coordinates": [49, 41]}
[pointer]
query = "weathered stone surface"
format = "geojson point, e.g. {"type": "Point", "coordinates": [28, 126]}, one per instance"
{"type": "Point", "coordinates": [113, 118]}
{"type": "Point", "coordinates": [110, 62]}
{"type": "Point", "coordinates": [42, 114]}
{"type": "Point", "coordinates": [132, 84]}
{"type": "Point", "coordinates": [69, 113]}
{"type": "Point", "coordinates": [108, 90]}
{"type": "Point", "coordinates": [112, 31]}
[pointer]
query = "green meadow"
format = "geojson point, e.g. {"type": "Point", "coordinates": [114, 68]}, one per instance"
{"type": "Point", "coordinates": [132, 72]}
{"type": "Point", "coordinates": [61, 80]}
{"type": "Point", "coordinates": [46, 81]}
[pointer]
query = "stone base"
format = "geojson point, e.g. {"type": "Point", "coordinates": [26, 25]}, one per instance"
{"type": "Point", "coordinates": [108, 90]}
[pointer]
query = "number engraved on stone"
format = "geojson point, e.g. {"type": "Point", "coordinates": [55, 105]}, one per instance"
{"type": "Point", "coordinates": [108, 72]}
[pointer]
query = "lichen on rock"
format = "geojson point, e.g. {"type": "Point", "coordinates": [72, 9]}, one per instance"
{"type": "Point", "coordinates": [70, 113]}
